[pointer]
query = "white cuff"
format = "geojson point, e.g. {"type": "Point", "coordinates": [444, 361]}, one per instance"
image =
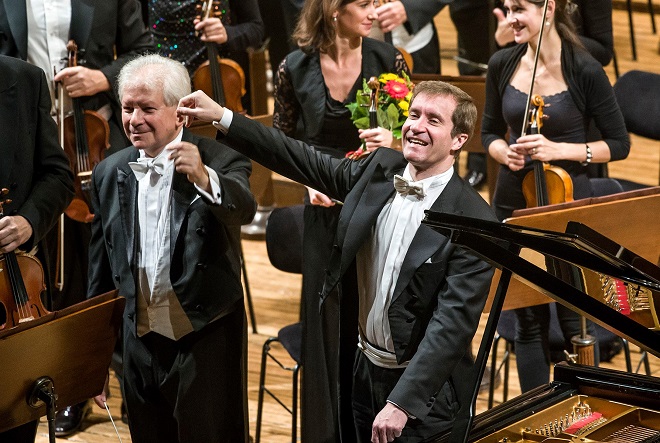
{"type": "Point", "coordinates": [225, 122]}
{"type": "Point", "coordinates": [215, 197]}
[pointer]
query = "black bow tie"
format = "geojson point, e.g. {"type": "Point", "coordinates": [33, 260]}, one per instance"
{"type": "Point", "coordinates": [405, 187]}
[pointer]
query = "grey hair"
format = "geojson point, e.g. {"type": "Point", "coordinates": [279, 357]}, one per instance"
{"type": "Point", "coordinates": [156, 72]}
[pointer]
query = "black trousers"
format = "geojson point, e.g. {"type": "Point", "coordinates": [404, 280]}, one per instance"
{"type": "Point", "coordinates": [190, 390]}
{"type": "Point", "coordinates": [371, 387]}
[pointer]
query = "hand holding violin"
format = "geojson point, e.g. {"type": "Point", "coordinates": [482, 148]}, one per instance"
{"type": "Point", "coordinates": [80, 81]}
{"type": "Point", "coordinates": [211, 30]}
{"type": "Point", "coordinates": [537, 147]}
{"type": "Point", "coordinates": [14, 231]}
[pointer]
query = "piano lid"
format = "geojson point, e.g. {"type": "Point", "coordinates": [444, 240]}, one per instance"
{"type": "Point", "coordinates": [620, 290]}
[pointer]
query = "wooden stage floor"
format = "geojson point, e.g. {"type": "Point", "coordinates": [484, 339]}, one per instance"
{"type": "Point", "coordinates": [276, 294]}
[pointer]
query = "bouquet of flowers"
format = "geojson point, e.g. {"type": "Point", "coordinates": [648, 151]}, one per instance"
{"type": "Point", "coordinates": [392, 107]}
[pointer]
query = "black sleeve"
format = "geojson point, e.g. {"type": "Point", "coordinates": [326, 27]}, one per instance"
{"type": "Point", "coordinates": [594, 23]}
{"type": "Point", "coordinates": [247, 27]}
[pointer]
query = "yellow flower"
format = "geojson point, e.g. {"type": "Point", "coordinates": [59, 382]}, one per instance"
{"type": "Point", "coordinates": [384, 78]}
{"type": "Point", "coordinates": [404, 105]}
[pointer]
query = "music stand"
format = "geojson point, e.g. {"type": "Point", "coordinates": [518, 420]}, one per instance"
{"type": "Point", "coordinates": [62, 357]}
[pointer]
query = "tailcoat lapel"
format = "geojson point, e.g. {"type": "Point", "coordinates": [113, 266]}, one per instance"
{"type": "Point", "coordinates": [358, 224]}
{"type": "Point", "coordinates": [183, 194]}
{"type": "Point", "coordinates": [127, 192]}
{"type": "Point", "coordinates": [17, 17]}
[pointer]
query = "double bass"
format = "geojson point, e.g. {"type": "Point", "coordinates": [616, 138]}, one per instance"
{"type": "Point", "coordinates": [21, 284]}
{"type": "Point", "coordinates": [220, 78]}
{"type": "Point", "coordinates": [85, 136]}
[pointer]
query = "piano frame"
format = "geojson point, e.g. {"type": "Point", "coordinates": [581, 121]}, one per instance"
{"type": "Point", "coordinates": [501, 245]}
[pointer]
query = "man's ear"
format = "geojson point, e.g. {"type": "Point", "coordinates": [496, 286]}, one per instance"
{"type": "Point", "coordinates": [458, 142]}
{"type": "Point", "coordinates": [180, 120]}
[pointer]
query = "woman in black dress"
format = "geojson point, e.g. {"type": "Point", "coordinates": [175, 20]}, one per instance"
{"type": "Point", "coordinates": [313, 87]}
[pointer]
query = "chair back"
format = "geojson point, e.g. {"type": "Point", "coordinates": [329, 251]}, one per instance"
{"type": "Point", "coordinates": [638, 95]}
{"type": "Point", "coordinates": [284, 234]}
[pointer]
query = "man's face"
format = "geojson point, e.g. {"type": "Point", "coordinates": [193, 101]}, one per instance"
{"type": "Point", "coordinates": [148, 122]}
{"type": "Point", "coordinates": [427, 141]}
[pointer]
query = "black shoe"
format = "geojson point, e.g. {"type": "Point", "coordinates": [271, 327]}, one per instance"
{"type": "Point", "coordinates": [475, 179]}
{"type": "Point", "coordinates": [69, 419]}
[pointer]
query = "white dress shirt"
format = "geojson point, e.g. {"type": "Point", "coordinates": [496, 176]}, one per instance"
{"type": "Point", "coordinates": [379, 263]}
{"type": "Point", "coordinates": [158, 307]}
{"type": "Point", "coordinates": [48, 23]}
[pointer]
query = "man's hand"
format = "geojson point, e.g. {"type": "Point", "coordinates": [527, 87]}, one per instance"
{"type": "Point", "coordinates": [388, 424]}
{"type": "Point", "coordinates": [211, 30]}
{"type": "Point", "coordinates": [103, 396]}
{"type": "Point", "coordinates": [201, 106]}
{"type": "Point", "coordinates": [82, 82]}
{"type": "Point", "coordinates": [391, 15]}
{"type": "Point", "coordinates": [187, 161]}
{"type": "Point", "coordinates": [375, 138]}
{"type": "Point", "coordinates": [318, 198]}
{"type": "Point", "coordinates": [14, 231]}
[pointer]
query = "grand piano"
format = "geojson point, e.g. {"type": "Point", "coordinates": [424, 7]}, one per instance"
{"type": "Point", "coordinates": [583, 404]}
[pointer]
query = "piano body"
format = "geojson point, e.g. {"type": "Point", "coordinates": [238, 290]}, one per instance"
{"type": "Point", "coordinates": [583, 404]}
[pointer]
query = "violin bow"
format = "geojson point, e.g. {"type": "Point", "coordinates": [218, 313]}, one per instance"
{"type": "Point", "coordinates": [525, 125]}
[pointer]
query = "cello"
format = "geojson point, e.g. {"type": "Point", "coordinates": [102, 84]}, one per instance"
{"type": "Point", "coordinates": [21, 284]}
{"type": "Point", "coordinates": [85, 136]}
{"type": "Point", "coordinates": [220, 78]}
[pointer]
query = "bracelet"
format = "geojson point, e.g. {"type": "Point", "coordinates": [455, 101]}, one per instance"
{"type": "Point", "coordinates": [589, 156]}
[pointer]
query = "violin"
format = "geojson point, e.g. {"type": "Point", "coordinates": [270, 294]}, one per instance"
{"type": "Point", "coordinates": [374, 86]}
{"type": "Point", "coordinates": [21, 284]}
{"type": "Point", "coordinates": [220, 78]}
{"type": "Point", "coordinates": [84, 135]}
{"type": "Point", "coordinates": [546, 184]}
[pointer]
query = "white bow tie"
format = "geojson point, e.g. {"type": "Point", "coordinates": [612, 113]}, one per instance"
{"type": "Point", "coordinates": [406, 187]}
{"type": "Point", "coordinates": [146, 164]}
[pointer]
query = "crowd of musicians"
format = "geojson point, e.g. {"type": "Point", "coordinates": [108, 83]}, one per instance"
{"type": "Point", "coordinates": [389, 306]}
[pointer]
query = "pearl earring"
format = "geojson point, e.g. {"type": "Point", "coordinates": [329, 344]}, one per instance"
{"type": "Point", "coordinates": [334, 19]}
{"type": "Point", "coordinates": [547, 22]}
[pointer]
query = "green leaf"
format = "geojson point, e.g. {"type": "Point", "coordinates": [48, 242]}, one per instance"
{"type": "Point", "coordinates": [393, 114]}
{"type": "Point", "coordinates": [362, 123]}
